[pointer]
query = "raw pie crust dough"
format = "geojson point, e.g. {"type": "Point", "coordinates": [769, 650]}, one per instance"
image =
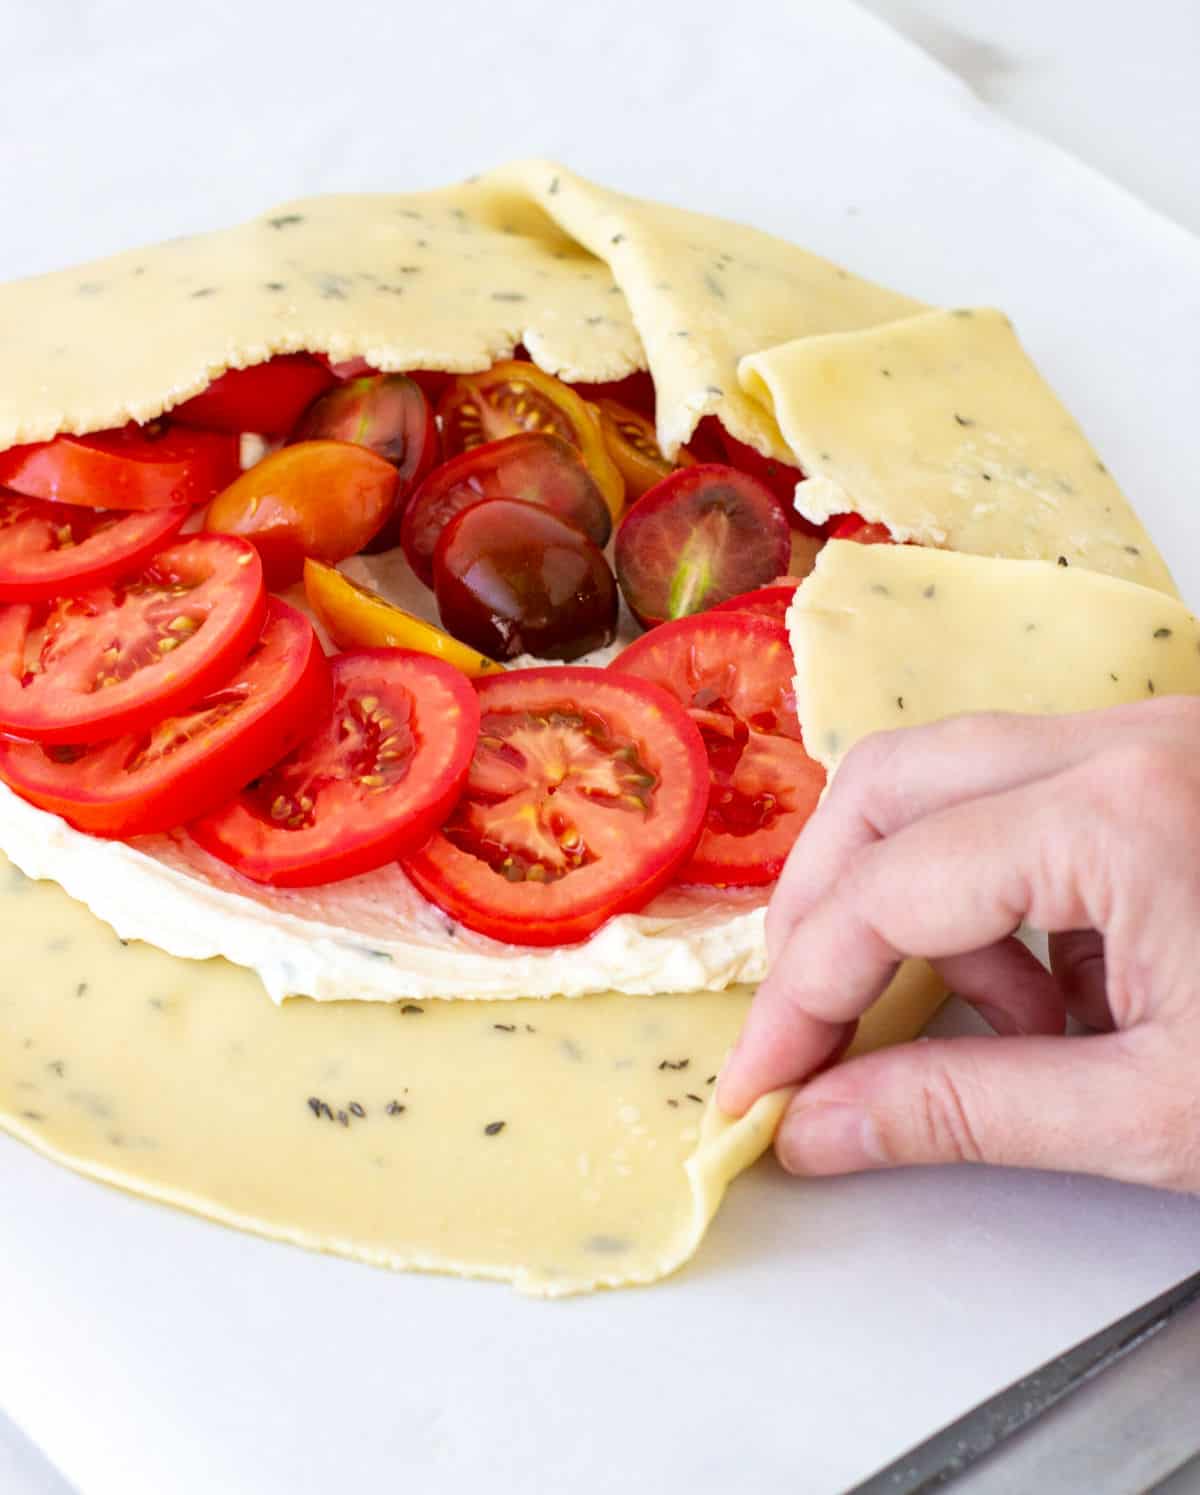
{"type": "Point", "coordinates": [560, 1144]}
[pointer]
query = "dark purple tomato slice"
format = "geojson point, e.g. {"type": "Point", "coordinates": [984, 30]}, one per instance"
{"type": "Point", "coordinates": [699, 537]}
{"type": "Point", "coordinates": [511, 579]}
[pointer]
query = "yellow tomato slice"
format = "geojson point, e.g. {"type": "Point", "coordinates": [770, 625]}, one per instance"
{"type": "Point", "coordinates": [357, 618]}
{"type": "Point", "coordinates": [515, 396]}
{"type": "Point", "coordinates": [633, 446]}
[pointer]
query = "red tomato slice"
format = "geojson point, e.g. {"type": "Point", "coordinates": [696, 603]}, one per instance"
{"type": "Point", "coordinates": [136, 467]}
{"type": "Point", "coordinates": [47, 549]}
{"type": "Point", "coordinates": [586, 793]}
{"type": "Point", "coordinates": [190, 763]}
{"type": "Point", "coordinates": [121, 657]}
{"type": "Point", "coordinates": [377, 777]}
{"type": "Point", "coordinates": [771, 602]}
{"type": "Point", "coordinates": [268, 397]}
{"type": "Point", "coordinates": [855, 527]}
{"type": "Point", "coordinates": [733, 672]}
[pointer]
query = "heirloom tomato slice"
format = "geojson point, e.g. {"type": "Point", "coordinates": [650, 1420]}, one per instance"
{"type": "Point", "coordinates": [158, 466]}
{"type": "Point", "coordinates": [324, 499]}
{"type": "Point", "coordinates": [538, 468]}
{"type": "Point", "coordinates": [355, 617]}
{"type": "Point", "coordinates": [375, 777]}
{"type": "Point", "coordinates": [515, 396]}
{"type": "Point", "coordinates": [194, 760]}
{"type": "Point", "coordinates": [585, 794]}
{"type": "Point", "coordinates": [733, 673]}
{"type": "Point", "coordinates": [701, 535]}
{"type": "Point", "coordinates": [633, 445]}
{"type": "Point", "coordinates": [267, 398]}
{"type": "Point", "coordinates": [120, 657]}
{"type": "Point", "coordinates": [47, 548]}
{"type": "Point", "coordinates": [390, 416]}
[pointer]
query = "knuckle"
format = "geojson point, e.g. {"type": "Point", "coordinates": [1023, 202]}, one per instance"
{"type": "Point", "coordinates": [866, 765]}
{"type": "Point", "coordinates": [937, 1127]}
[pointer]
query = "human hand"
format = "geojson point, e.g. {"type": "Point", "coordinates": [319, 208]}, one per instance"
{"type": "Point", "coordinates": [938, 842]}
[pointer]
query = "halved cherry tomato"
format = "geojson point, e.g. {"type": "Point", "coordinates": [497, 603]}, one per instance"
{"type": "Point", "coordinates": [511, 578]}
{"type": "Point", "coordinates": [355, 617]}
{"type": "Point", "coordinates": [701, 535]}
{"type": "Point", "coordinates": [267, 397]}
{"type": "Point", "coordinates": [191, 762]}
{"type": "Point", "coordinates": [633, 446]}
{"type": "Point", "coordinates": [586, 792]}
{"type": "Point", "coordinates": [514, 396]}
{"type": "Point", "coordinates": [772, 602]}
{"type": "Point", "coordinates": [48, 549]}
{"type": "Point", "coordinates": [538, 468]}
{"type": "Point", "coordinates": [733, 672]}
{"type": "Point", "coordinates": [158, 466]}
{"type": "Point", "coordinates": [376, 777]}
{"type": "Point", "coordinates": [121, 657]}
{"type": "Point", "coordinates": [320, 498]}
{"type": "Point", "coordinates": [855, 527]}
{"type": "Point", "coordinates": [388, 414]}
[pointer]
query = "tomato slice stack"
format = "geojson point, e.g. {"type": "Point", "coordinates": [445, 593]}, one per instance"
{"type": "Point", "coordinates": [122, 656]}
{"type": "Point", "coordinates": [193, 761]}
{"type": "Point", "coordinates": [733, 673]}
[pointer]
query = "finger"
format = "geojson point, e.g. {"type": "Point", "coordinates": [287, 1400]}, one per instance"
{"type": "Point", "coordinates": [952, 883]}
{"type": "Point", "coordinates": [1077, 960]}
{"type": "Point", "coordinates": [892, 779]}
{"type": "Point", "coordinates": [1008, 986]}
{"type": "Point", "coordinates": [1076, 1104]}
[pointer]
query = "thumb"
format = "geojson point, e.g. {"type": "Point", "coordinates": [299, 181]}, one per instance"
{"type": "Point", "coordinates": [1073, 1104]}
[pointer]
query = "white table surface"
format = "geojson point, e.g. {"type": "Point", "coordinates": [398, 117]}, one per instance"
{"type": "Point", "coordinates": [1122, 99]}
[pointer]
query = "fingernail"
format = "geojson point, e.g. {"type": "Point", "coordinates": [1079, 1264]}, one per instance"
{"type": "Point", "coordinates": [833, 1137]}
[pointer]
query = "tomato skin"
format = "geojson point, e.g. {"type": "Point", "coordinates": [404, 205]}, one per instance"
{"type": "Point", "coordinates": [771, 602]}
{"type": "Point", "coordinates": [355, 617]}
{"type": "Point", "coordinates": [855, 527]}
{"type": "Point", "coordinates": [389, 415]}
{"type": "Point", "coordinates": [47, 549]}
{"type": "Point", "coordinates": [733, 673]}
{"type": "Point", "coordinates": [267, 398]}
{"type": "Point", "coordinates": [323, 499]}
{"type": "Point", "coordinates": [189, 764]}
{"type": "Point", "coordinates": [350, 825]}
{"type": "Point", "coordinates": [136, 467]}
{"type": "Point", "coordinates": [633, 853]}
{"type": "Point", "coordinates": [516, 396]}
{"type": "Point", "coordinates": [161, 639]}
{"type": "Point", "coordinates": [532, 466]}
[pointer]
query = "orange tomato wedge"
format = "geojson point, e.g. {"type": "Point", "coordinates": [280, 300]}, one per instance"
{"type": "Point", "coordinates": [355, 617]}
{"type": "Point", "coordinates": [514, 396]}
{"type": "Point", "coordinates": [633, 445]}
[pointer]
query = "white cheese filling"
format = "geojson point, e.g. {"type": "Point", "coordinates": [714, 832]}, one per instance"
{"type": "Point", "coordinates": [375, 938]}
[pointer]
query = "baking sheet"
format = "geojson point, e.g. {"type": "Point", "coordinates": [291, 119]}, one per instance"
{"type": "Point", "coordinates": [826, 1327]}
